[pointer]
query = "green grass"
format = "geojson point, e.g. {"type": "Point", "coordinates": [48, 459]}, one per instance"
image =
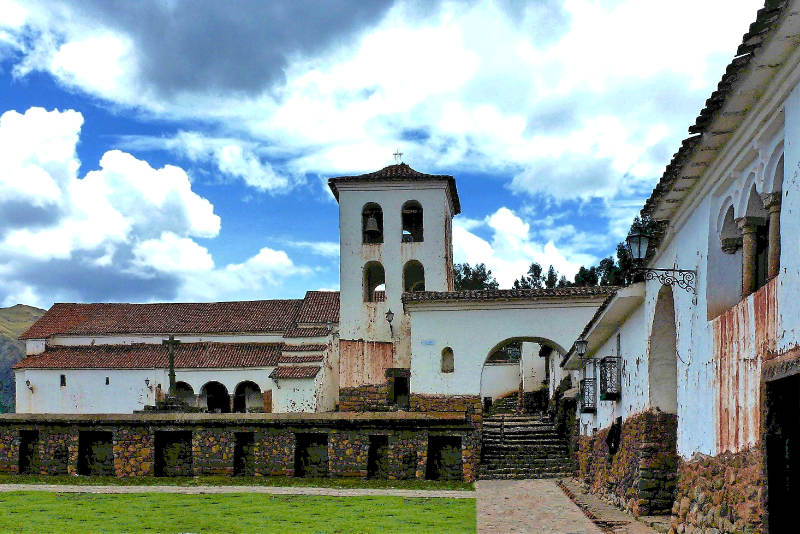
{"type": "Point", "coordinates": [238, 481]}
{"type": "Point", "coordinates": [241, 512]}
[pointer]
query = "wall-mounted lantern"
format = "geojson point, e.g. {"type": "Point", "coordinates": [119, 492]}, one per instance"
{"type": "Point", "coordinates": [638, 242]}
{"type": "Point", "coordinates": [389, 319]}
{"type": "Point", "coordinates": [29, 385]}
{"type": "Point", "coordinates": [581, 346]}
{"type": "Point", "coordinates": [147, 384]}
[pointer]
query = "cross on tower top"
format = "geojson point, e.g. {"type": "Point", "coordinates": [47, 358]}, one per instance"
{"type": "Point", "coordinates": [397, 155]}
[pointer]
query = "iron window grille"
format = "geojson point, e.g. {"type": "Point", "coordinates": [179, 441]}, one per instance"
{"type": "Point", "coordinates": [588, 391]}
{"type": "Point", "coordinates": [610, 378]}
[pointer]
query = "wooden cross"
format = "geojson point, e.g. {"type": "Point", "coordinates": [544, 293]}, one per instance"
{"type": "Point", "coordinates": [397, 155]}
{"type": "Point", "coordinates": [171, 343]}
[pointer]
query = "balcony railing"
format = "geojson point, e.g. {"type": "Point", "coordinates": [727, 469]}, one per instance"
{"type": "Point", "coordinates": [588, 395]}
{"type": "Point", "coordinates": [610, 378]}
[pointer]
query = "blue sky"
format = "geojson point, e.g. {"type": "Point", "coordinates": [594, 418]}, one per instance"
{"type": "Point", "coordinates": [157, 151]}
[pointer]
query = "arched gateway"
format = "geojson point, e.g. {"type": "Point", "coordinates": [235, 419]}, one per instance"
{"type": "Point", "coordinates": [476, 324]}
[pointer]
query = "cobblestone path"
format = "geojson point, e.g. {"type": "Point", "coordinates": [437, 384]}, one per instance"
{"type": "Point", "coordinates": [522, 506]}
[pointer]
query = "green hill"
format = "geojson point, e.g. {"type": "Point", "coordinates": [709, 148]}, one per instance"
{"type": "Point", "coordinates": [13, 322]}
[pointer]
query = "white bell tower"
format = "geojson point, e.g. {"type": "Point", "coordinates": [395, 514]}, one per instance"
{"type": "Point", "coordinates": [395, 235]}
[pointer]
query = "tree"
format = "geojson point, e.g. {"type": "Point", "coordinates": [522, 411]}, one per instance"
{"type": "Point", "coordinates": [533, 280]}
{"type": "Point", "coordinates": [586, 277]}
{"type": "Point", "coordinates": [478, 277]}
{"type": "Point", "coordinates": [552, 278]}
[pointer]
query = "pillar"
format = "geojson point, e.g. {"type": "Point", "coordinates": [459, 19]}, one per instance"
{"type": "Point", "coordinates": [748, 227]}
{"type": "Point", "coordinates": [772, 202]}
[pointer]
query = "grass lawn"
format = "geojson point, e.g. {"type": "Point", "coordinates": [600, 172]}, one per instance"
{"type": "Point", "coordinates": [37, 511]}
{"type": "Point", "coordinates": [238, 481]}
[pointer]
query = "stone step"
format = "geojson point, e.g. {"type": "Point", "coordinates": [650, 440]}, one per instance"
{"type": "Point", "coordinates": [525, 476]}
{"type": "Point", "coordinates": [520, 442]}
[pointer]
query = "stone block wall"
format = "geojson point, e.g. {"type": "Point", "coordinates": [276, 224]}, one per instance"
{"type": "Point", "coordinates": [720, 494]}
{"type": "Point", "coordinates": [212, 451]}
{"type": "Point", "coordinates": [368, 398]}
{"type": "Point", "coordinates": [133, 452]}
{"type": "Point", "coordinates": [347, 453]}
{"type": "Point", "coordinates": [209, 447]}
{"type": "Point", "coordinates": [641, 477]}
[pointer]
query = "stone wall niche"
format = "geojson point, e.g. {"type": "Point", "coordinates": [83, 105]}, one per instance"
{"type": "Point", "coordinates": [173, 456]}
{"type": "Point", "coordinates": [244, 454]}
{"type": "Point", "coordinates": [95, 453]}
{"type": "Point", "coordinates": [444, 458]}
{"type": "Point", "coordinates": [29, 452]}
{"type": "Point", "coordinates": [378, 457]}
{"type": "Point", "coordinates": [311, 455]}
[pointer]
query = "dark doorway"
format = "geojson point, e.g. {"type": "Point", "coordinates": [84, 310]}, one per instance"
{"type": "Point", "coordinates": [217, 398]}
{"type": "Point", "coordinates": [29, 452]}
{"type": "Point", "coordinates": [173, 456]}
{"type": "Point", "coordinates": [783, 451]}
{"type": "Point", "coordinates": [95, 453]}
{"type": "Point", "coordinates": [243, 454]}
{"type": "Point", "coordinates": [378, 457]}
{"type": "Point", "coordinates": [311, 455]}
{"type": "Point", "coordinates": [444, 458]}
{"type": "Point", "coordinates": [247, 397]}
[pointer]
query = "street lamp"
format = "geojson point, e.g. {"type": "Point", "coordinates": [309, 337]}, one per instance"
{"type": "Point", "coordinates": [389, 319]}
{"type": "Point", "coordinates": [637, 242]}
{"type": "Point", "coordinates": [580, 347]}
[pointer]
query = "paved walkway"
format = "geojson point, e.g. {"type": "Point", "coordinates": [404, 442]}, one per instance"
{"type": "Point", "coordinates": [273, 490]}
{"type": "Point", "coordinates": [613, 519]}
{"type": "Point", "coordinates": [535, 506]}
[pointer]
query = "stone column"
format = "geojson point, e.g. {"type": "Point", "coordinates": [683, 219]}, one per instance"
{"type": "Point", "coordinates": [772, 202]}
{"type": "Point", "coordinates": [748, 227]}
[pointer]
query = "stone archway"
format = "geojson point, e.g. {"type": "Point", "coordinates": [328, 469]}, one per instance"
{"type": "Point", "coordinates": [185, 393]}
{"type": "Point", "coordinates": [517, 364]}
{"type": "Point", "coordinates": [217, 398]}
{"type": "Point", "coordinates": [247, 396]}
{"type": "Point", "coordinates": [663, 358]}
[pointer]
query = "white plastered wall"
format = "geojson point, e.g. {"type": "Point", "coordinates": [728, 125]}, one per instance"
{"type": "Point", "coordinates": [473, 330]}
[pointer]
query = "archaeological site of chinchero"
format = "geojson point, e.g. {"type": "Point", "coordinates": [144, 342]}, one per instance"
{"type": "Point", "coordinates": [673, 391]}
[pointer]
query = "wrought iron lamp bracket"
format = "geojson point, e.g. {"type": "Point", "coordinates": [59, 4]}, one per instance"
{"type": "Point", "coordinates": [685, 279]}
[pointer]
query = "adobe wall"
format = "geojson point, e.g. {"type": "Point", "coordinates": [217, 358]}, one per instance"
{"type": "Point", "coordinates": [641, 476]}
{"type": "Point", "coordinates": [272, 451]}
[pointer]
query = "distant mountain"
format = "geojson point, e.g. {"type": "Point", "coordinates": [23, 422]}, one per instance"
{"type": "Point", "coordinates": [13, 322]}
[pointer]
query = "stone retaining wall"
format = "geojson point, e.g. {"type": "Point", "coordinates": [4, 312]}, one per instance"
{"type": "Point", "coordinates": [368, 398]}
{"type": "Point", "coordinates": [212, 443]}
{"type": "Point", "coordinates": [641, 476]}
{"type": "Point", "coordinates": [724, 493]}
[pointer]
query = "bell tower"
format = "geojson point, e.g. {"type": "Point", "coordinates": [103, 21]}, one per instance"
{"type": "Point", "coordinates": [395, 235]}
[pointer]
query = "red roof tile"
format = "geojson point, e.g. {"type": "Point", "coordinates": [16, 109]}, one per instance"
{"type": "Point", "coordinates": [317, 331]}
{"type": "Point", "coordinates": [399, 172]}
{"type": "Point", "coordinates": [305, 348]}
{"type": "Point", "coordinates": [141, 356]}
{"type": "Point", "coordinates": [295, 371]}
{"type": "Point", "coordinates": [308, 358]}
{"type": "Point", "coordinates": [319, 307]}
{"type": "Point", "coordinates": [167, 318]}
{"type": "Point", "coordinates": [509, 294]}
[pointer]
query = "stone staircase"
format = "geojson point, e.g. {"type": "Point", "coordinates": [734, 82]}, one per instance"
{"type": "Point", "coordinates": [522, 446]}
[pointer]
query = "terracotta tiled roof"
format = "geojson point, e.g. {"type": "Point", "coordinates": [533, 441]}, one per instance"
{"type": "Point", "coordinates": [296, 331]}
{"type": "Point", "coordinates": [678, 180]}
{"type": "Point", "coordinates": [141, 356]}
{"type": "Point", "coordinates": [173, 318]}
{"type": "Point", "coordinates": [308, 358]}
{"type": "Point", "coordinates": [508, 294]}
{"type": "Point", "coordinates": [398, 172]}
{"type": "Point", "coordinates": [295, 371]}
{"type": "Point", "coordinates": [319, 307]}
{"type": "Point", "coordinates": [305, 348]}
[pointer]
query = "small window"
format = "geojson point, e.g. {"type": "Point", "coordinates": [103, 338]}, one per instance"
{"type": "Point", "coordinates": [63, 381]}
{"type": "Point", "coordinates": [372, 224]}
{"type": "Point", "coordinates": [448, 361]}
{"type": "Point", "coordinates": [412, 222]}
{"type": "Point", "coordinates": [107, 381]}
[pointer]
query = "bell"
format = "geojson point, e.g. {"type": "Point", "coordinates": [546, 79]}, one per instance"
{"type": "Point", "coordinates": [372, 225]}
